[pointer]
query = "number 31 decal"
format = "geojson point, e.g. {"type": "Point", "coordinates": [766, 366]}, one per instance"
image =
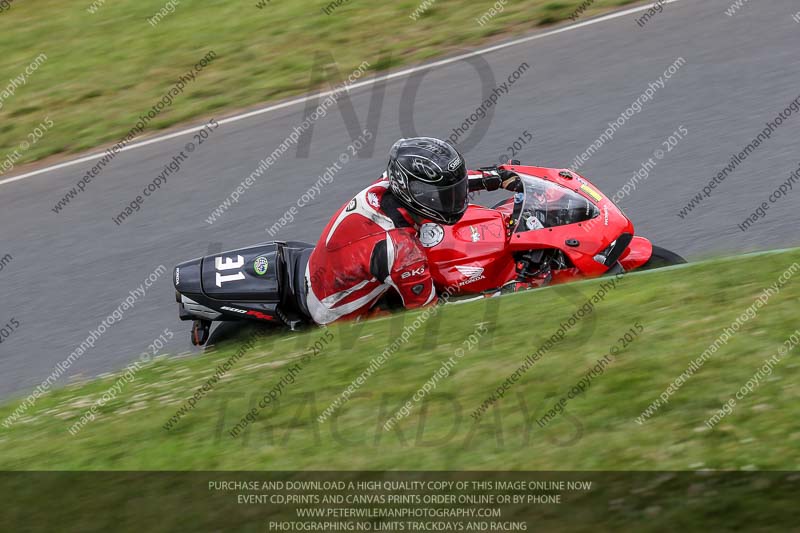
{"type": "Point", "coordinates": [227, 263]}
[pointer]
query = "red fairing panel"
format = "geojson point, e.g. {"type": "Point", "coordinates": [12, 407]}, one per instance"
{"type": "Point", "coordinates": [638, 253]}
{"type": "Point", "coordinates": [471, 255]}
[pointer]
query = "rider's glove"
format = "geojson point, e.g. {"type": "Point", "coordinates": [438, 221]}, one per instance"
{"type": "Point", "coordinates": [511, 181]}
{"type": "Point", "coordinates": [494, 179]}
{"type": "Point", "coordinates": [491, 181]}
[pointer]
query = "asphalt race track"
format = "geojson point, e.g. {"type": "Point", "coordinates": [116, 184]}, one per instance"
{"type": "Point", "coordinates": [70, 270]}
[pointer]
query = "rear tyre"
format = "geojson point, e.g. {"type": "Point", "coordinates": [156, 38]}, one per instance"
{"type": "Point", "coordinates": [662, 258]}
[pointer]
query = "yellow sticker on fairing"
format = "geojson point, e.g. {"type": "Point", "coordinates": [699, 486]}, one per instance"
{"type": "Point", "coordinates": [591, 192]}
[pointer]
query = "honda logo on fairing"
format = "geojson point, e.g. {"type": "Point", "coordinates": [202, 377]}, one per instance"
{"type": "Point", "coordinates": [470, 272]}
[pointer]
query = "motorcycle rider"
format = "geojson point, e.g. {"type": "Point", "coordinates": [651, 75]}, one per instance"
{"type": "Point", "coordinates": [372, 245]}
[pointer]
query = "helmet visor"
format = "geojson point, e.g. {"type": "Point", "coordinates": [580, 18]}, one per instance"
{"type": "Point", "coordinates": [451, 200]}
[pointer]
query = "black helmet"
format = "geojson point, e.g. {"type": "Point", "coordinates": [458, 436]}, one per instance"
{"type": "Point", "coordinates": [429, 177]}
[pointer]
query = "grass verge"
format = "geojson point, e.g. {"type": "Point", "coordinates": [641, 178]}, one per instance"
{"type": "Point", "coordinates": [104, 69]}
{"type": "Point", "coordinates": [680, 312]}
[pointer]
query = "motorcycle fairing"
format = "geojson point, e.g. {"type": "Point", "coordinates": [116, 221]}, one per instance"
{"type": "Point", "coordinates": [472, 253]}
{"type": "Point", "coordinates": [637, 253]}
{"type": "Point", "coordinates": [233, 276]}
{"type": "Point", "coordinates": [256, 283]}
{"type": "Point", "coordinates": [473, 260]}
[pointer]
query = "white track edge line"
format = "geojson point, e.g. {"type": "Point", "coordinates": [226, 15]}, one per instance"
{"type": "Point", "coordinates": [303, 99]}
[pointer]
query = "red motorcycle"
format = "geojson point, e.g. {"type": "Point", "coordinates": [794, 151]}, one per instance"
{"type": "Point", "coordinates": [557, 228]}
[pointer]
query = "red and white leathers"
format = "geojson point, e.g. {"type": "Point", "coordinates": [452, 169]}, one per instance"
{"type": "Point", "coordinates": [370, 246]}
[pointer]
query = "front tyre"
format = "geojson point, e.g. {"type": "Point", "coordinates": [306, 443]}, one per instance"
{"type": "Point", "coordinates": [662, 258]}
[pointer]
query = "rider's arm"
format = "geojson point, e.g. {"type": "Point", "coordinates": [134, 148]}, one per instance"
{"type": "Point", "coordinates": [400, 262]}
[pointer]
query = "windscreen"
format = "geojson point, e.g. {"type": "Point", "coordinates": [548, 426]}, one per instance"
{"type": "Point", "coordinates": [546, 204]}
